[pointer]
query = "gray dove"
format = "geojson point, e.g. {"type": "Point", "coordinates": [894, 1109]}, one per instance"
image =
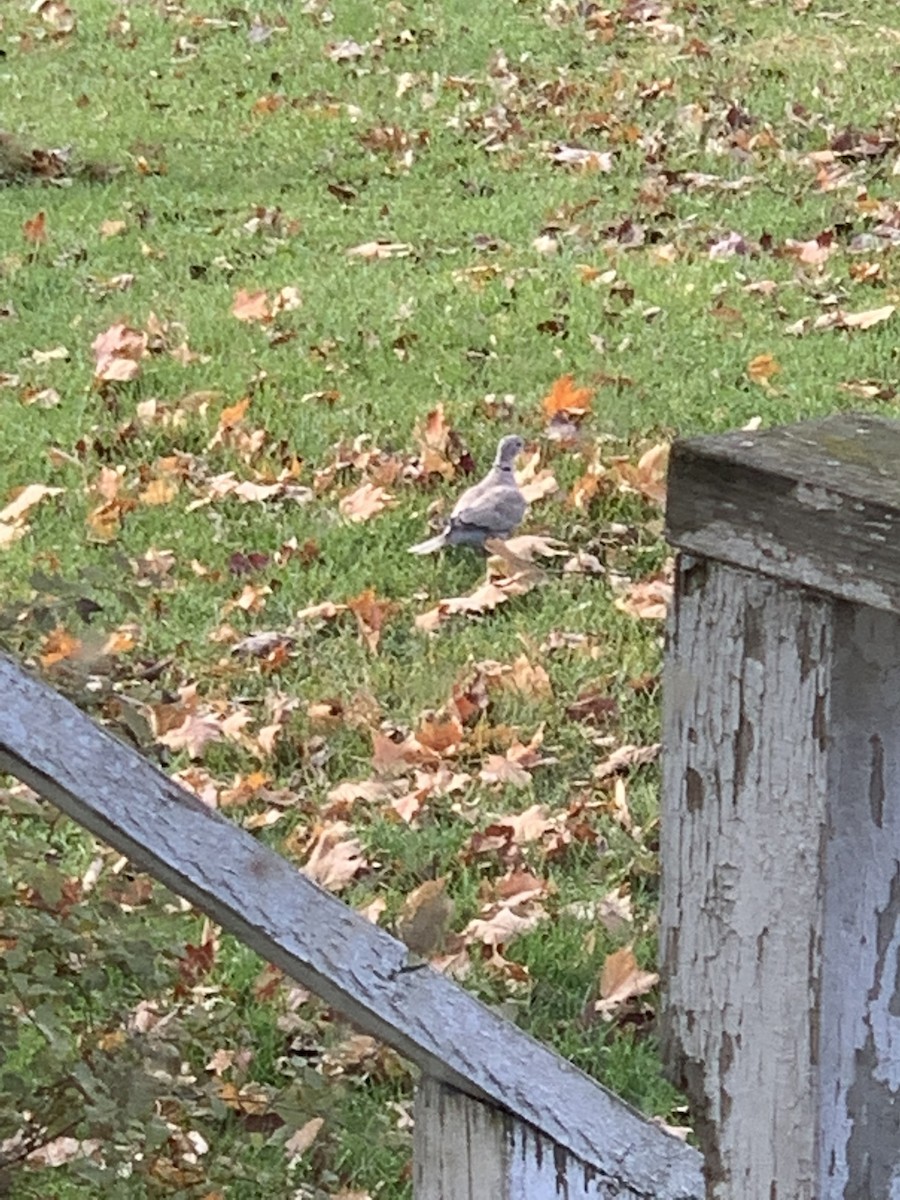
{"type": "Point", "coordinates": [490, 509]}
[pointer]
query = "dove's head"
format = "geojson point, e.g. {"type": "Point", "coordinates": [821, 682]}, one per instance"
{"type": "Point", "coordinates": [509, 449]}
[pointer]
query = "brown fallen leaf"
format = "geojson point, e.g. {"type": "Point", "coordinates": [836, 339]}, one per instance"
{"type": "Point", "coordinates": [648, 599]}
{"type": "Point", "coordinates": [364, 503]}
{"type": "Point", "coordinates": [118, 352]}
{"type": "Point", "coordinates": [334, 859]}
{"type": "Point", "coordinates": [647, 477]}
{"type": "Point", "coordinates": [527, 826]}
{"type": "Point", "coordinates": [622, 979]}
{"type": "Point", "coordinates": [34, 229]}
{"type": "Point", "coordinates": [499, 768]}
{"type": "Point", "coordinates": [581, 159]}
{"type": "Point", "coordinates": [626, 757]}
{"type": "Point", "coordinates": [59, 645]}
{"type": "Point", "coordinates": [436, 439]}
{"type": "Point", "coordinates": [441, 732]}
{"type": "Point", "coordinates": [251, 306]}
{"type": "Point", "coordinates": [159, 491]}
{"type": "Point", "coordinates": [502, 924]}
{"type": "Point", "coordinates": [594, 705]}
{"type": "Point", "coordinates": [529, 546]}
{"type": "Point", "coordinates": [193, 734]}
{"type": "Point", "coordinates": [395, 757]}
{"type": "Point", "coordinates": [485, 598]}
{"type": "Point", "coordinates": [371, 615]}
{"type": "Point", "coordinates": [301, 1139]}
{"type": "Point", "coordinates": [536, 482]}
{"type": "Point", "coordinates": [12, 516]}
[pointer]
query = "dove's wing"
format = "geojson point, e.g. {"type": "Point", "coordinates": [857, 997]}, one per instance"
{"type": "Point", "coordinates": [495, 506]}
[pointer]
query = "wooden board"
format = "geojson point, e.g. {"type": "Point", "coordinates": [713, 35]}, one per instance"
{"type": "Point", "coordinates": [817, 504]}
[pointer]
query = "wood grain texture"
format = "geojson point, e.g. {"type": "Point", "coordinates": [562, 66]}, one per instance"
{"type": "Point", "coordinates": [466, 1150]}
{"type": "Point", "coordinates": [742, 827]}
{"type": "Point", "coordinates": [361, 970]}
{"type": "Point", "coordinates": [780, 925]}
{"type": "Point", "coordinates": [859, 1156]}
{"type": "Point", "coordinates": [816, 504]}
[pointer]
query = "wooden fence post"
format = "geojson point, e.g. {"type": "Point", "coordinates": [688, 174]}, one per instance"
{"type": "Point", "coordinates": [781, 808]}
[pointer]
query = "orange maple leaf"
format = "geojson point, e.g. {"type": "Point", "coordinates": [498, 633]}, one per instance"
{"type": "Point", "coordinates": [565, 397]}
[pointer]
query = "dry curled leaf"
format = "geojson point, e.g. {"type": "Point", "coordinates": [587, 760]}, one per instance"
{"type": "Point", "coordinates": [364, 503]}
{"type": "Point", "coordinates": [371, 614]}
{"type": "Point", "coordinates": [626, 757]}
{"type": "Point", "coordinates": [118, 352]}
{"type": "Point", "coordinates": [648, 599]}
{"type": "Point", "coordinates": [621, 980]}
{"type": "Point", "coordinates": [485, 598]}
{"type": "Point", "coordinates": [334, 859]}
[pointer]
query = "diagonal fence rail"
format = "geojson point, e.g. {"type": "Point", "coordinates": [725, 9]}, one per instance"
{"type": "Point", "coordinates": [498, 1115]}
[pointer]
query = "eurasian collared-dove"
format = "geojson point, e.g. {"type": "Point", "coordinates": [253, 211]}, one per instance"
{"type": "Point", "coordinates": [490, 509]}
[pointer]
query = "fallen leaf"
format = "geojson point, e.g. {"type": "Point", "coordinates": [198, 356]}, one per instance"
{"type": "Point", "coordinates": [581, 158]}
{"type": "Point", "coordinates": [499, 768]}
{"type": "Point", "coordinates": [193, 734]}
{"type": "Point", "coordinates": [364, 503]}
{"type": "Point", "coordinates": [159, 491]}
{"type": "Point", "coordinates": [24, 500]}
{"type": "Point", "coordinates": [380, 249]}
{"type": "Point", "coordinates": [502, 926]}
{"type": "Point", "coordinates": [57, 646]}
{"type": "Point", "coordinates": [57, 353]}
{"type": "Point", "coordinates": [334, 859]}
{"type": "Point", "coordinates": [301, 1139]}
{"type": "Point", "coordinates": [441, 732]}
{"type": "Point", "coordinates": [371, 615]}
{"type": "Point", "coordinates": [594, 705]}
{"type": "Point", "coordinates": [346, 51]}
{"type": "Point", "coordinates": [865, 320]}
{"type": "Point", "coordinates": [118, 352]}
{"type": "Point", "coordinates": [34, 229]}
{"type": "Point", "coordinates": [621, 979]}
{"type": "Point", "coordinates": [535, 482]}
{"type": "Point", "coordinates": [485, 598]}
{"type": "Point", "coordinates": [565, 398]}
{"type": "Point", "coordinates": [110, 228]}
{"type": "Point", "coordinates": [251, 306]}
{"type": "Point", "coordinates": [648, 599]}
{"type": "Point", "coordinates": [648, 476]}
{"type": "Point", "coordinates": [626, 757]}
{"type": "Point", "coordinates": [761, 369]}
{"type": "Point", "coordinates": [525, 827]}
{"type": "Point", "coordinates": [528, 546]}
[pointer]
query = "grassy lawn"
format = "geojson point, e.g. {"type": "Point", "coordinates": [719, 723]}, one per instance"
{"type": "Point", "coordinates": [341, 251]}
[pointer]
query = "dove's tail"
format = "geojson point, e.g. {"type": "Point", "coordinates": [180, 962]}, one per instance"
{"type": "Point", "coordinates": [429, 547]}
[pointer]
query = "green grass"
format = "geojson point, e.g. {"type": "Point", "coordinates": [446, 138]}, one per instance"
{"type": "Point", "coordinates": [733, 90]}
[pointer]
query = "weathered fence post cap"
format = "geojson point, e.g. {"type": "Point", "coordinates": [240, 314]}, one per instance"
{"type": "Point", "coordinates": [815, 504]}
